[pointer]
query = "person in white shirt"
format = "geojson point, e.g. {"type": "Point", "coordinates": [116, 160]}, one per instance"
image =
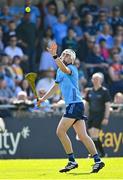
{"type": "Point", "coordinates": [46, 60]}
{"type": "Point", "coordinates": [47, 81]}
{"type": "Point", "coordinates": [13, 50]}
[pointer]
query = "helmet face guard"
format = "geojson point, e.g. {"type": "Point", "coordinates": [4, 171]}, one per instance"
{"type": "Point", "coordinates": [71, 53]}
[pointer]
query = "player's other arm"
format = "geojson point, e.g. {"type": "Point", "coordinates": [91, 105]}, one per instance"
{"type": "Point", "coordinates": [49, 93]}
{"type": "Point", "coordinates": [58, 60]}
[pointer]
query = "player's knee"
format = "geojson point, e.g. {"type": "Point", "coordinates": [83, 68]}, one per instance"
{"type": "Point", "coordinates": [59, 132]}
{"type": "Point", "coordinates": [83, 137]}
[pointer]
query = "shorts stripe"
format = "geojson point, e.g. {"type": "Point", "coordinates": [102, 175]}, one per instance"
{"type": "Point", "coordinates": [71, 108]}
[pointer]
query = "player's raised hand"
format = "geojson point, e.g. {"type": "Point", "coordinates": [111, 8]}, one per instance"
{"type": "Point", "coordinates": [53, 49]}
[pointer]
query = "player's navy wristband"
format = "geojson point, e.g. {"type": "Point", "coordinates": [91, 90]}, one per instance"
{"type": "Point", "coordinates": [55, 56]}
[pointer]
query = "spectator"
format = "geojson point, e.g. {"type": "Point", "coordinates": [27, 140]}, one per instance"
{"type": "Point", "coordinates": [118, 43]}
{"type": "Point", "coordinates": [116, 75]}
{"type": "Point", "coordinates": [1, 40]}
{"type": "Point", "coordinates": [13, 50]}
{"type": "Point", "coordinates": [24, 31]}
{"type": "Point", "coordinates": [35, 15]}
{"type": "Point", "coordinates": [7, 69]}
{"type": "Point", "coordinates": [47, 37]}
{"type": "Point", "coordinates": [22, 102]}
{"type": "Point", "coordinates": [114, 50]}
{"type": "Point", "coordinates": [95, 62]}
{"type": "Point", "coordinates": [85, 47]}
{"type": "Point", "coordinates": [50, 19]}
{"type": "Point", "coordinates": [88, 6]}
{"type": "Point", "coordinates": [61, 6]}
{"type": "Point", "coordinates": [88, 26]}
{"type": "Point", "coordinates": [118, 98]}
{"type": "Point", "coordinates": [47, 81]}
{"type": "Point", "coordinates": [119, 30]}
{"type": "Point", "coordinates": [6, 93]}
{"type": "Point", "coordinates": [104, 5]}
{"type": "Point", "coordinates": [69, 42]}
{"type": "Point", "coordinates": [24, 86]}
{"type": "Point", "coordinates": [117, 105]}
{"type": "Point", "coordinates": [71, 11]}
{"type": "Point", "coordinates": [104, 50]}
{"type": "Point", "coordinates": [60, 30]}
{"type": "Point", "coordinates": [22, 96]}
{"type": "Point", "coordinates": [14, 10]}
{"type": "Point", "coordinates": [7, 75]}
{"type": "Point", "coordinates": [11, 31]}
{"type": "Point", "coordinates": [46, 60]}
{"type": "Point", "coordinates": [17, 69]}
{"type": "Point", "coordinates": [75, 24]}
{"type": "Point", "coordinates": [106, 34]}
{"type": "Point", "coordinates": [116, 19]}
{"type": "Point", "coordinates": [6, 16]}
{"type": "Point", "coordinates": [102, 20]}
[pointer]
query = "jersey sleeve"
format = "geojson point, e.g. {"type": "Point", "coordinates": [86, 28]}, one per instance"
{"type": "Point", "coordinates": [107, 97]}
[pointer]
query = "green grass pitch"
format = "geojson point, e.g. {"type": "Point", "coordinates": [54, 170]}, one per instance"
{"type": "Point", "coordinates": [49, 169]}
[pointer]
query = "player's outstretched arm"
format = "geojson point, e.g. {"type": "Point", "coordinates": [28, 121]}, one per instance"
{"type": "Point", "coordinates": [58, 60]}
{"type": "Point", "coordinates": [51, 91]}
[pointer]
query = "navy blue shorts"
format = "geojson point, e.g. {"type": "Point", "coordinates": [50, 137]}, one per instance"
{"type": "Point", "coordinates": [75, 111]}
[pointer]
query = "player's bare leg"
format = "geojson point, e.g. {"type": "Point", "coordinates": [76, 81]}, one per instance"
{"type": "Point", "coordinates": [62, 129]}
{"type": "Point", "coordinates": [80, 129]}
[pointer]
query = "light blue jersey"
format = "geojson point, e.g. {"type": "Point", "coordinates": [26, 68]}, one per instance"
{"type": "Point", "coordinates": [68, 84]}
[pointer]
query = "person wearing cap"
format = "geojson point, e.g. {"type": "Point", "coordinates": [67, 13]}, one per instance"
{"type": "Point", "coordinates": [67, 80]}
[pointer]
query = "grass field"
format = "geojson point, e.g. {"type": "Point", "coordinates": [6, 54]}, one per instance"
{"type": "Point", "coordinates": [49, 169]}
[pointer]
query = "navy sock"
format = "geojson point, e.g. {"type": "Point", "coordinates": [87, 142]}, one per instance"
{"type": "Point", "coordinates": [71, 157]}
{"type": "Point", "coordinates": [98, 145]}
{"type": "Point", "coordinates": [96, 158]}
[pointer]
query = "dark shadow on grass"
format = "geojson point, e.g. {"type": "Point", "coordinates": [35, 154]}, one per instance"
{"type": "Point", "coordinates": [77, 174]}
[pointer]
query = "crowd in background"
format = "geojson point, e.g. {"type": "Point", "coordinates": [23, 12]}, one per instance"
{"type": "Point", "coordinates": [93, 31]}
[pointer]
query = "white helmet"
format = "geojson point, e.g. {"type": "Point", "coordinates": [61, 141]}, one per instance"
{"type": "Point", "coordinates": [71, 53]}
